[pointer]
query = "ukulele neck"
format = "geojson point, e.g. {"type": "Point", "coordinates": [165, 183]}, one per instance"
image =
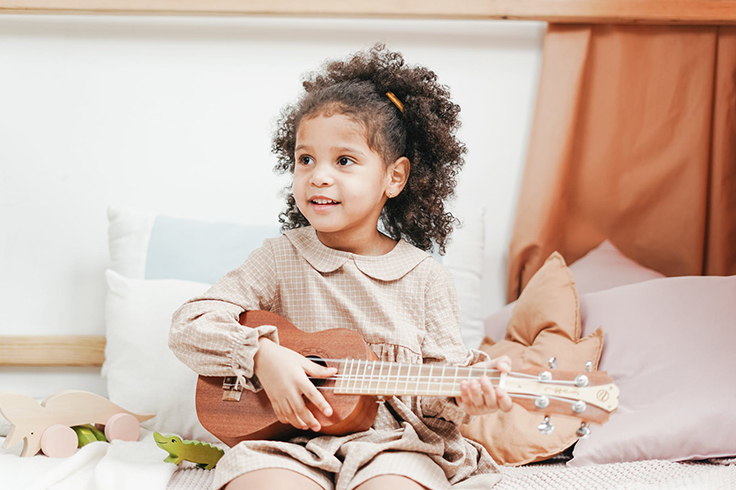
{"type": "Point", "coordinates": [361, 377]}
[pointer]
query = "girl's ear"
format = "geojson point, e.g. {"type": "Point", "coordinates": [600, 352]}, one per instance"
{"type": "Point", "coordinates": [398, 174]}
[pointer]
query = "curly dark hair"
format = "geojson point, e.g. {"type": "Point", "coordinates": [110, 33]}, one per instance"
{"type": "Point", "coordinates": [424, 133]}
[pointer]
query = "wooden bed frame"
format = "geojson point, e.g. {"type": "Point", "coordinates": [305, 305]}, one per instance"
{"type": "Point", "coordinates": [89, 350]}
{"type": "Point", "coordinates": [573, 11]}
{"type": "Point", "coordinates": [68, 350]}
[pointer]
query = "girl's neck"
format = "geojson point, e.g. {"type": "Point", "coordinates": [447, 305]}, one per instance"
{"type": "Point", "coordinates": [375, 243]}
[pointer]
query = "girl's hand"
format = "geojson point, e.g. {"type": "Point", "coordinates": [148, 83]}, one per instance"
{"type": "Point", "coordinates": [478, 398]}
{"type": "Point", "coordinates": [283, 375]}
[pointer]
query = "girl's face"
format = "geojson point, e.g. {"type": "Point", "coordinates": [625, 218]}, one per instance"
{"type": "Point", "coordinates": [340, 184]}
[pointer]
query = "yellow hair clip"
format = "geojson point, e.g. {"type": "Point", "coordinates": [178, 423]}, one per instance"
{"type": "Point", "coordinates": [396, 101]}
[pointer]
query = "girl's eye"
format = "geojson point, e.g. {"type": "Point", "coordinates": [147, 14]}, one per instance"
{"type": "Point", "coordinates": [306, 160]}
{"type": "Point", "coordinates": [345, 161]}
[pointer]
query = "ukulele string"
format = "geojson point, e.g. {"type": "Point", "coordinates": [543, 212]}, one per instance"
{"type": "Point", "coordinates": [367, 380]}
{"type": "Point", "coordinates": [569, 401]}
{"type": "Point", "coordinates": [371, 377]}
{"type": "Point", "coordinates": [401, 365]}
{"type": "Point", "coordinates": [512, 395]}
{"type": "Point", "coordinates": [428, 379]}
{"type": "Point", "coordinates": [402, 377]}
{"type": "Point", "coordinates": [393, 378]}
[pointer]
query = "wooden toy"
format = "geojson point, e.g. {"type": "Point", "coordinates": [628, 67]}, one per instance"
{"type": "Point", "coordinates": [48, 426]}
{"type": "Point", "coordinates": [86, 434]}
{"type": "Point", "coordinates": [200, 453]}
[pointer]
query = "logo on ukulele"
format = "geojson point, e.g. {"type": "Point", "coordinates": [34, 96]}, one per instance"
{"type": "Point", "coordinates": [603, 395]}
{"type": "Point", "coordinates": [562, 391]}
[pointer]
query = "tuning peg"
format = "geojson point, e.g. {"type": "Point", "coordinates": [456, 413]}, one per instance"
{"type": "Point", "coordinates": [552, 363]}
{"type": "Point", "coordinates": [541, 401]}
{"type": "Point", "coordinates": [546, 427]}
{"type": "Point", "coordinates": [589, 366]}
{"type": "Point", "coordinates": [583, 431]}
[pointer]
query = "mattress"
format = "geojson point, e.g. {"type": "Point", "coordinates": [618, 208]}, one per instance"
{"type": "Point", "coordinates": [134, 465]}
{"type": "Point", "coordinates": [555, 475]}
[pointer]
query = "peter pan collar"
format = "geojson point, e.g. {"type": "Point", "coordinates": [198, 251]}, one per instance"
{"type": "Point", "coordinates": [389, 267]}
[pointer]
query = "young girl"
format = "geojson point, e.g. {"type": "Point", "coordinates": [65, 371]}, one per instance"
{"type": "Point", "coordinates": [371, 142]}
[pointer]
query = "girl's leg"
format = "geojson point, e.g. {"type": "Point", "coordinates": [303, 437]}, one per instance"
{"type": "Point", "coordinates": [273, 479]}
{"type": "Point", "coordinates": [390, 481]}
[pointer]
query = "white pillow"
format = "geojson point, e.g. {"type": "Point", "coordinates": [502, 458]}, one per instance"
{"type": "Point", "coordinates": [143, 375]}
{"type": "Point", "coordinates": [464, 259]}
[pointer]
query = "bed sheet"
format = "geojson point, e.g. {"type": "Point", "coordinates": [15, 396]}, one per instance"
{"type": "Point", "coordinates": [554, 475]}
{"type": "Point", "coordinates": [139, 465]}
{"type": "Point", "coordinates": [119, 465]}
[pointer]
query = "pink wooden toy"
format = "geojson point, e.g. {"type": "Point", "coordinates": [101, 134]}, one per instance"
{"type": "Point", "coordinates": [47, 426]}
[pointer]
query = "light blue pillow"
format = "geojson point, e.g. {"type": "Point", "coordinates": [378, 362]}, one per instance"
{"type": "Point", "coordinates": [203, 251]}
{"type": "Point", "coordinates": [149, 246]}
{"type": "Point", "coordinates": [200, 251]}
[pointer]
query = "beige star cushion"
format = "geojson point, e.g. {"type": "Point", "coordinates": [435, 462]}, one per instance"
{"type": "Point", "coordinates": [545, 323]}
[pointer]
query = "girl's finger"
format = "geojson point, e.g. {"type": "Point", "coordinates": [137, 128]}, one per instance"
{"type": "Point", "coordinates": [279, 414]}
{"type": "Point", "coordinates": [489, 394]}
{"type": "Point", "coordinates": [305, 416]}
{"type": "Point", "coordinates": [318, 399]}
{"type": "Point", "coordinates": [476, 397]}
{"type": "Point", "coordinates": [460, 400]}
{"type": "Point", "coordinates": [502, 363]}
{"type": "Point", "coordinates": [312, 393]}
{"type": "Point", "coordinates": [297, 417]}
{"type": "Point", "coordinates": [504, 400]}
{"type": "Point", "coordinates": [318, 371]}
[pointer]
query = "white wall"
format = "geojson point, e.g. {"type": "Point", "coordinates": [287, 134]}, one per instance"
{"type": "Point", "coordinates": [175, 116]}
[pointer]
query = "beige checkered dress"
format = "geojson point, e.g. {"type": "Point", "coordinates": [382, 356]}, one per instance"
{"type": "Point", "coordinates": [403, 304]}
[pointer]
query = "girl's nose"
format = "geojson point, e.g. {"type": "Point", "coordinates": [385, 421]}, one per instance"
{"type": "Point", "coordinates": [321, 175]}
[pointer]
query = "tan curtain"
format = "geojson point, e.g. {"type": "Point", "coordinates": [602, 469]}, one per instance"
{"type": "Point", "coordinates": [634, 140]}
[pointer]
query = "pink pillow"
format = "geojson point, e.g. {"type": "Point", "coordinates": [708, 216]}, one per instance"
{"type": "Point", "coordinates": [669, 346]}
{"type": "Point", "coordinates": [605, 267]}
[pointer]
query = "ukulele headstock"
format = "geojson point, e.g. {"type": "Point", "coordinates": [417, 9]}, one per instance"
{"type": "Point", "coordinates": [589, 396]}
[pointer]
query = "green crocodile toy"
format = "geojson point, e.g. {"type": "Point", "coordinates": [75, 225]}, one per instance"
{"type": "Point", "coordinates": [202, 454]}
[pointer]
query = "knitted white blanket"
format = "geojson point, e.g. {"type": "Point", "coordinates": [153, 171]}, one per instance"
{"type": "Point", "coordinates": [641, 475]}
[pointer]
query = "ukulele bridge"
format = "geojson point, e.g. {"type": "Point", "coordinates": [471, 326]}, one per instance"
{"type": "Point", "coordinates": [231, 389]}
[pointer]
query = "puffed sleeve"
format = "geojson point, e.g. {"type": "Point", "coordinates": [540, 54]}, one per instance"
{"type": "Point", "coordinates": [443, 342]}
{"type": "Point", "coordinates": [206, 334]}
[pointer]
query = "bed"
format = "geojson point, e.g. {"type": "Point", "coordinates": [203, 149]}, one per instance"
{"type": "Point", "coordinates": [602, 280]}
{"type": "Point", "coordinates": [612, 286]}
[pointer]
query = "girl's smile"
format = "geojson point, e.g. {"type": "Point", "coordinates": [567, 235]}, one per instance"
{"type": "Point", "coordinates": [318, 202]}
{"type": "Point", "coordinates": [341, 184]}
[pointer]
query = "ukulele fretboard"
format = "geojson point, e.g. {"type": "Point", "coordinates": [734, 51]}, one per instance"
{"type": "Point", "coordinates": [361, 377]}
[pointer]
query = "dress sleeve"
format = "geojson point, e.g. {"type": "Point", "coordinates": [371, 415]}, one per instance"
{"type": "Point", "coordinates": [443, 342]}
{"type": "Point", "coordinates": [206, 333]}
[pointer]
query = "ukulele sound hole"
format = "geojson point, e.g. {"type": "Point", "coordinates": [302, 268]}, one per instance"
{"type": "Point", "coordinates": [321, 362]}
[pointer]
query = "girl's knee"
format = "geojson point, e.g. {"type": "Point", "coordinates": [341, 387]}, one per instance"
{"type": "Point", "coordinates": [273, 479]}
{"type": "Point", "coordinates": [383, 482]}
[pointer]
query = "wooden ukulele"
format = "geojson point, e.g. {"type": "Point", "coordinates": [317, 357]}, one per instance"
{"type": "Point", "coordinates": [233, 414]}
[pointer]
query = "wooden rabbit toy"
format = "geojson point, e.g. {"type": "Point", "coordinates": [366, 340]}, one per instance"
{"type": "Point", "coordinates": [47, 426]}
